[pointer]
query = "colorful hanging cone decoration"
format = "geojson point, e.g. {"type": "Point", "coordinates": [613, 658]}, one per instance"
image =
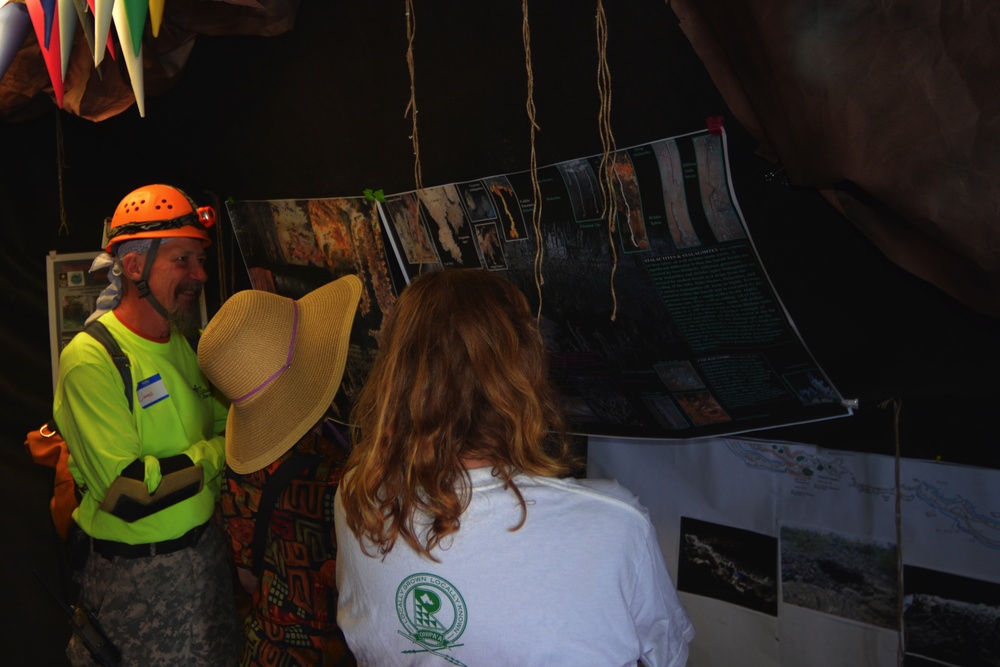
{"type": "Point", "coordinates": [67, 32]}
{"type": "Point", "coordinates": [85, 17]}
{"type": "Point", "coordinates": [14, 27]}
{"type": "Point", "coordinates": [91, 25]}
{"type": "Point", "coordinates": [155, 16]}
{"type": "Point", "coordinates": [135, 12]}
{"type": "Point", "coordinates": [102, 10]}
{"type": "Point", "coordinates": [129, 31]}
{"type": "Point", "coordinates": [43, 16]}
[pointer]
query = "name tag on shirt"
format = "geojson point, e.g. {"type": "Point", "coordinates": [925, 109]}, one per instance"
{"type": "Point", "coordinates": [151, 391]}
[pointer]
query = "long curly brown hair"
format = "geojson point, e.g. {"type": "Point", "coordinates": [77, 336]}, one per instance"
{"type": "Point", "coordinates": [461, 376]}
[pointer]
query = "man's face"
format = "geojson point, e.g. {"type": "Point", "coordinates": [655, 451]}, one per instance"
{"type": "Point", "coordinates": [177, 276]}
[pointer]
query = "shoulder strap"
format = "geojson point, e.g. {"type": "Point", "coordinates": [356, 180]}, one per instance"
{"type": "Point", "coordinates": [332, 428]}
{"type": "Point", "coordinates": [273, 487]}
{"type": "Point", "coordinates": [101, 333]}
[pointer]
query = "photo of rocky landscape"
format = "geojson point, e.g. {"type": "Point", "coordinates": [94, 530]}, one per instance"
{"type": "Point", "coordinates": [729, 564]}
{"type": "Point", "coordinates": [839, 575]}
{"type": "Point", "coordinates": [951, 619]}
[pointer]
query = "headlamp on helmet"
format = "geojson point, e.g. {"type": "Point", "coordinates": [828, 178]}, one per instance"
{"type": "Point", "coordinates": [158, 212]}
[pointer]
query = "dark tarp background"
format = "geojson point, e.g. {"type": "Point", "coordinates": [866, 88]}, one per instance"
{"type": "Point", "coordinates": [319, 112]}
{"type": "Point", "coordinates": [890, 108]}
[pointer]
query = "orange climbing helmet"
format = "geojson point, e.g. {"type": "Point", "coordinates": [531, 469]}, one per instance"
{"type": "Point", "coordinates": [157, 212]}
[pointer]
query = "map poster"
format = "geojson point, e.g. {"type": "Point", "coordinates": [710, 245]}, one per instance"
{"type": "Point", "coordinates": [663, 325]}
{"type": "Point", "coordinates": [699, 343]}
{"type": "Point", "coordinates": [291, 247]}
{"type": "Point", "coordinates": [810, 557]}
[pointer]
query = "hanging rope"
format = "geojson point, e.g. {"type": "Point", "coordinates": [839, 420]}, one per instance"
{"type": "Point", "coordinates": [60, 160]}
{"type": "Point", "coordinates": [607, 168]}
{"type": "Point", "coordinates": [897, 406]}
{"type": "Point", "coordinates": [226, 254]}
{"type": "Point", "coordinates": [536, 191]}
{"type": "Point", "coordinates": [411, 108]}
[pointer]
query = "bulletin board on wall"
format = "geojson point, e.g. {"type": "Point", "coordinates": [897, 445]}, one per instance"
{"type": "Point", "coordinates": [73, 293]}
{"type": "Point", "coordinates": [72, 297]}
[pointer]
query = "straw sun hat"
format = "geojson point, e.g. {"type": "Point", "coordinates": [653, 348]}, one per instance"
{"type": "Point", "coordinates": [279, 362]}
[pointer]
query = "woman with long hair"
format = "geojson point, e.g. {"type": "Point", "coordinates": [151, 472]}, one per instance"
{"type": "Point", "coordinates": [461, 536]}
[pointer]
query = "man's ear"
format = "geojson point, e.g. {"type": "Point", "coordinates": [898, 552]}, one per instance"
{"type": "Point", "coordinates": [132, 265]}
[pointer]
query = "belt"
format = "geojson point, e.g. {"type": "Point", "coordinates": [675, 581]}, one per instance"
{"type": "Point", "coordinates": [110, 549]}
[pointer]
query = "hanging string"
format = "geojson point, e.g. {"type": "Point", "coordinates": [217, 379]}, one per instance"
{"type": "Point", "coordinates": [411, 108]}
{"type": "Point", "coordinates": [897, 405]}
{"type": "Point", "coordinates": [60, 162]}
{"type": "Point", "coordinates": [536, 191]}
{"type": "Point", "coordinates": [227, 279]}
{"type": "Point", "coordinates": [607, 168]}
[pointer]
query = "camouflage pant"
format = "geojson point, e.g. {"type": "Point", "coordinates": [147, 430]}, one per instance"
{"type": "Point", "coordinates": [174, 609]}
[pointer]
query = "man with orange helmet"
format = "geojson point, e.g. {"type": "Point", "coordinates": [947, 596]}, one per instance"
{"type": "Point", "coordinates": [147, 459]}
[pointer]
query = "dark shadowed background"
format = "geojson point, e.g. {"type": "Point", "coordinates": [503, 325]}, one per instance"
{"type": "Point", "coordinates": [319, 112]}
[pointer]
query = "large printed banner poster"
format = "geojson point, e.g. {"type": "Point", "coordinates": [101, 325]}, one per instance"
{"type": "Point", "coordinates": [662, 325]}
{"type": "Point", "coordinates": [294, 246]}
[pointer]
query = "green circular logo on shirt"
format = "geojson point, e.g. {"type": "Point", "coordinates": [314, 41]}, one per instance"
{"type": "Point", "coordinates": [431, 611]}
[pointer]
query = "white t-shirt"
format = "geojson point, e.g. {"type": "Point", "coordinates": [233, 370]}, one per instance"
{"type": "Point", "coordinates": [581, 583]}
